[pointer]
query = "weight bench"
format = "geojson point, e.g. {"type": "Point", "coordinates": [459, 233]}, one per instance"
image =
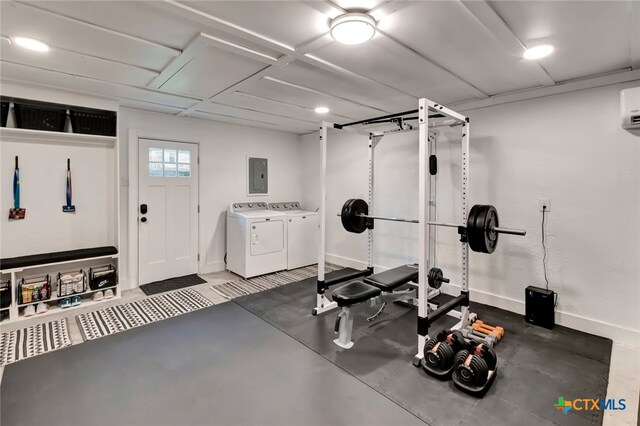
{"type": "Point", "coordinates": [375, 288]}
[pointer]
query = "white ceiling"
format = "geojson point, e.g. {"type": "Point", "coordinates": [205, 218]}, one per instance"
{"type": "Point", "coordinates": [270, 63]}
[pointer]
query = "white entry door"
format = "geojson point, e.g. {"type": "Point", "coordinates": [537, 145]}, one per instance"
{"type": "Point", "coordinates": [167, 209]}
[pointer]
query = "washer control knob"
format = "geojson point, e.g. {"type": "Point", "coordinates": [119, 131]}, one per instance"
{"type": "Point", "coordinates": [250, 205]}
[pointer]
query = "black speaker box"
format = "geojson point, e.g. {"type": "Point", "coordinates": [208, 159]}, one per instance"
{"type": "Point", "coordinates": [540, 307]}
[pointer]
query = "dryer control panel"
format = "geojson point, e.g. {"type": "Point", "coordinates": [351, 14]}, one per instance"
{"type": "Point", "coordinates": [289, 205]}
{"type": "Point", "coordinates": [244, 207]}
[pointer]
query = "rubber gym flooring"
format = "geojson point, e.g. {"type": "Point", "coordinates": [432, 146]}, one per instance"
{"type": "Point", "coordinates": [264, 360]}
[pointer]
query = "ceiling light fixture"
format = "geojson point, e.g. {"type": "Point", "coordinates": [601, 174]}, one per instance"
{"type": "Point", "coordinates": [31, 44]}
{"type": "Point", "coordinates": [321, 110]}
{"type": "Point", "coordinates": [353, 28]}
{"type": "Point", "coordinates": [537, 52]}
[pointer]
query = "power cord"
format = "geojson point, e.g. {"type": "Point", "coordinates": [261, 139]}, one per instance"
{"type": "Point", "coordinates": [544, 249]}
{"type": "Point", "coordinates": [544, 257]}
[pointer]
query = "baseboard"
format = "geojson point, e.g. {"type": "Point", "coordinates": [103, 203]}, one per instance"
{"type": "Point", "coordinates": [345, 261]}
{"type": "Point", "coordinates": [614, 332]}
{"type": "Point", "coordinates": [211, 267]}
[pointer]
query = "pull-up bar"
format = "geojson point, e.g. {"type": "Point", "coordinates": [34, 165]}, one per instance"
{"type": "Point", "coordinates": [385, 119]}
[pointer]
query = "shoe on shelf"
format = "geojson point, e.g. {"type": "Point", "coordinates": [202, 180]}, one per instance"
{"type": "Point", "coordinates": [108, 294]}
{"type": "Point", "coordinates": [65, 303]}
{"type": "Point", "coordinates": [98, 296]}
{"type": "Point", "coordinates": [41, 308]}
{"type": "Point", "coordinates": [29, 311]}
{"type": "Point", "coordinates": [76, 300]}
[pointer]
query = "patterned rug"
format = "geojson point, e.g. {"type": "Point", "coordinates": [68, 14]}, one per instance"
{"type": "Point", "coordinates": [134, 314]}
{"type": "Point", "coordinates": [232, 289]}
{"type": "Point", "coordinates": [35, 340]}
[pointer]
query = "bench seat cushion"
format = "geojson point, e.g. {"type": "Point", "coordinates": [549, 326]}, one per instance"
{"type": "Point", "coordinates": [354, 292]}
{"type": "Point", "coordinates": [389, 280]}
{"type": "Point", "coordinates": [55, 257]}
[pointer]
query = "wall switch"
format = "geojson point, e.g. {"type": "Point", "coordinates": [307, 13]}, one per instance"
{"type": "Point", "coordinates": [544, 204]}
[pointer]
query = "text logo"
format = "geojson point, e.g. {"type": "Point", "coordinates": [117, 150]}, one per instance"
{"type": "Point", "coordinates": [589, 404]}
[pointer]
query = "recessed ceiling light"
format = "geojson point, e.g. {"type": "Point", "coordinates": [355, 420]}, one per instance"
{"type": "Point", "coordinates": [322, 110]}
{"type": "Point", "coordinates": [31, 44]}
{"type": "Point", "coordinates": [537, 52]}
{"type": "Point", "coordinates": [353, 28]}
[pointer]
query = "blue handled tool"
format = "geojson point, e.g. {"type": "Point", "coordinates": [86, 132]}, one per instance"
{"type": "Point", "coordinates": [69, 208]}
{"type": "Point", "coordinates": [16, 212]}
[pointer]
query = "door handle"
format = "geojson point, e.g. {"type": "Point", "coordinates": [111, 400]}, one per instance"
{"type": "Point", "coordinates": [143, 208]}
{"type": "Point", "coordinates": [143, 219]}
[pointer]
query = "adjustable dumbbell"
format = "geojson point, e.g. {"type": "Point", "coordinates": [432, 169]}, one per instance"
{"type": "Point", "coordinates": [439, 351]}
{"type": "Point", "coordinates": [472, 366]}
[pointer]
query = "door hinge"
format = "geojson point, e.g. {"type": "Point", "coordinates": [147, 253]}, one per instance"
{"type": "Point", "coordinates": [198, 209]}
{"type": "Point", "coordinates": [198, 160]}
{"type": "Point", "coordinates": [198, 257]}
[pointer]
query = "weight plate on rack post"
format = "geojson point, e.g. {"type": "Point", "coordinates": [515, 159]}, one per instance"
{"type": "Point", "coordinates": [474, 238]}
{"type": "Point", "coordinates": [345, 214]}
{"type": "Point", "coordinates": [481, 238]}
{"type": "Point", "coordinates": [358, 223]}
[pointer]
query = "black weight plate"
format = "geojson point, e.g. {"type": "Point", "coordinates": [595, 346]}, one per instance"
{"type": "Point", "coordinates": [344, 214]}
{"type": "Point", "coordinates": [475, 229]}
{"type": "Point", "coordinates": [491, 221]}
{"type": "Point", "coordinates": [483, 239]}
{"type": "Point", "coordinates": [359, 207]}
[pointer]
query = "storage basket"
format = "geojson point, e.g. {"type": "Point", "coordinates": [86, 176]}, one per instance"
{"type": "Point", "coordinates": [102, 277]}
{"type": "Point", "coordinates": [93, 121]}
{"type": "Point", "coordinates": [34, 289]}
{"type": "Point", "coordinates": [39, 115]}
{"type": "Point", "coordinates": [5, 112]}
{"type": "Point", "coordinates": [70, 283]}
{"type": "Point", "coordinates": [5, 294]}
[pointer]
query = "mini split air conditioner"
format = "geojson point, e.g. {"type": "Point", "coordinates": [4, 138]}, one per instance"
{"type": "Point", "coordinates": [630, 108]}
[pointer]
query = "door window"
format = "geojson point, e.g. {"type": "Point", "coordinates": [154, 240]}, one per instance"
{"type": "Point", "coordinates": [169, 163]}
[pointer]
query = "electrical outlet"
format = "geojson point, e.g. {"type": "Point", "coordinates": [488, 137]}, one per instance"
{"type": "Point", "coordinates": [544, 204]}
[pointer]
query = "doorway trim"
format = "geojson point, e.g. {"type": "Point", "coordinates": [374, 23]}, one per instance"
{"type": "Point", "coordinates": [131, 182]}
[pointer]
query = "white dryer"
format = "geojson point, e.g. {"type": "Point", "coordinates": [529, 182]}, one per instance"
{"type": "Point", "coordinates": [303, 234]}
{"type": "Point", "coordinates": [256, 239]}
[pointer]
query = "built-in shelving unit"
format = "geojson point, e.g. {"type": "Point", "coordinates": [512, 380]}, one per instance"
{"type": "Point", "coordinates": [43, 136]}
{"type": "Point", "coordinates": [103, 151]}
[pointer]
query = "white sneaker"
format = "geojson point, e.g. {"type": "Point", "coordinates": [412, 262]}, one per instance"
{"type": "Point", "coordinates": [98, 296]}
{"type": "Point", "coordinates": [108, 294]}
{"type": "Point", "coordinates": [29, 310]}
{"type": "Point", "coordinates": [41, 308]}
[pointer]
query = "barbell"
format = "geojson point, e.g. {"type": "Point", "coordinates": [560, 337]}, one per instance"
{"type": "Point", "coordinates": [481, 231]}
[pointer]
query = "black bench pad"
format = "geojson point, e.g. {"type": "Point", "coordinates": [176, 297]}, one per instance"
{"type": "Point", "coordinates": [354, 292]}
{"type": "Point", "coordinates": [393, 278]}
{"type": "Point", "coordinates": [60, 256]}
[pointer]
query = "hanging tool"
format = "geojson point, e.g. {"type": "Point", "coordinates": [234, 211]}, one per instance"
{"type": "Point", "coordinates": [16, 212]}
{"type": "Point", "coordinates": [69, 208]}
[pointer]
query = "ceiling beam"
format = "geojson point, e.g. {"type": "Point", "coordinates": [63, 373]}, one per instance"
{"type": "Point", "coordinates": [393, 44]}
{"type": "Point", "coordinates": [635, 35]}
{"type": "Point", "coordinates": [565, 87]}
{"type": "Point", "coordinates": [190, 99]}
{"type": "Point", "coordinates": [171, 50]}
{"type": "Point", "coordinates": [489, 18]}
{"type": "Point", "coordinates": [260, 39]}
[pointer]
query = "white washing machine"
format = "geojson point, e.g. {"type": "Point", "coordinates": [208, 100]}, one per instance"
{"type": "Point", "coordinates": [256, 239]}
{"type": "Point", "coordinates": [303, 234]}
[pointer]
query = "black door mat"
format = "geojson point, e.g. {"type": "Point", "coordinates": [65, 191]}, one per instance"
{"type": "Point", "coordinates": [171, 284]}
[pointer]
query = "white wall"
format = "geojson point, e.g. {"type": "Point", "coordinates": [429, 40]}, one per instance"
{"type": "Point", "coordinates": [223, 150]}
{"type": "Point", "coordinates": [43, 166]}
{"type": "Point", "coordinates": [569, 148]}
